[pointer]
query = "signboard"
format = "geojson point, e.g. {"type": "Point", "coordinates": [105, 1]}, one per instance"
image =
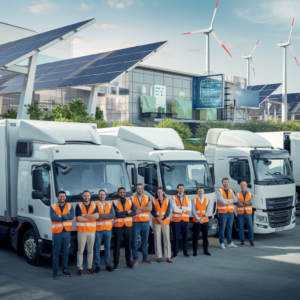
{"type": "Point", "coordinates": [208, 92]}
{"type": "Point", "coordinates": [246, 98]}
{"type": "Point", "coordinates": [159, 92]}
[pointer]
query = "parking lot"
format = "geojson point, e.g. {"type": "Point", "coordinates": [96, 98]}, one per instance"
{"type": "Point", "coordinates": [271, 270]}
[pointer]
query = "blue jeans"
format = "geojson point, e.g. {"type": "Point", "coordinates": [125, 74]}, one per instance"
{"type": "Point", "coordinates": [176, 226]}
{"type": "Point", "coordinates": [142, 229]}
{"type": "Point", "coordinates": [60, 241]}
{"type": "Point", "coordinates": [241, 220]}
{"type": "Point", "coordinates": [226, 221]}
{"type": "Point", "coordinates": [106, 236]}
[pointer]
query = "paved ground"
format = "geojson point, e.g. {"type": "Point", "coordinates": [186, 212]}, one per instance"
{"type": "Point", "coordinates": [271, 270]}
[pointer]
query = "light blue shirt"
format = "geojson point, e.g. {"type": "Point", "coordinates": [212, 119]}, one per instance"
{"type": "Point", "coordinates": [180, 198]}
{"type": "Point", "coordinates": [140, 199]}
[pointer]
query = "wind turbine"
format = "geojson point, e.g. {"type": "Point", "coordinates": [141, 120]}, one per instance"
{"type": "Point", "coordinates": [249, 57]}
{"type": "Point", "coordinates": [207, 32]}
{"type": "Point", "coordinates": [284, 84]}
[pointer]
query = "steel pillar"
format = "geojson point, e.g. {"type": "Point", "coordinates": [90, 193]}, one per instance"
{"type": "Point", "coordinates": [93, 101]}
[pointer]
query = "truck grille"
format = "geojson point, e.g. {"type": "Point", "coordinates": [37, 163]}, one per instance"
{"type": "Point", "coordinates": [279, 203]}
{"type": "Point", "coordinates": [280, 218]}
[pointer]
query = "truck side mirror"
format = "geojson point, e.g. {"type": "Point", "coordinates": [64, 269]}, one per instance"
{"type": "Point", "coordinates": [37, 179]}
{"type": "Point", "coordinates": [212, 173]}
{"type": "Point", "coordinates": [148, 175]}
{"type": "Point", "coordinates": [291, 164]}
{"type": "Point", "coordinates": [133, 176]}
{"type": "Point", "coordinates": [241, 169]}
{"type": "Point", "coordinates": [37, 195]}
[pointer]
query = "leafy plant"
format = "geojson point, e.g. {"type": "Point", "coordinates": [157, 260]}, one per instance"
{"type": "Point", "coordinates": [10, 114]}
{"type": "Point", "coordinates": [122, 123]}
{"type": "Point", "coordinates": [146, 123]}
{"type": "Point", "coordinates": [99, 114]}
{"type": "Point", "coordinates": [34, 111]}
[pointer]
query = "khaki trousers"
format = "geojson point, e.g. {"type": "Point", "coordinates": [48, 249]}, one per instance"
{"type": "Point", "coordinates": [163, 230]}
{"type": "Point", "coordinates": [85, 239]}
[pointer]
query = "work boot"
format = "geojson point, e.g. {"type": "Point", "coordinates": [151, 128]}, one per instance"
{"type": "Point", "coordinates": [97, 270]}
{"type": "Point", "coordinates": [67, 273]}
{"type": "Point", "coordinates": [54, 275]}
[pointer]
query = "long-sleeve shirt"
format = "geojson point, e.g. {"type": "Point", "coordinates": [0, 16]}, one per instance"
{"type": "Point", "coordinates": [124, 214]}
{"type": "Point", "coordinates": [167, 214]}
{"type": "Point", "coordinates": [244, 203]}
{"type": "Point", "coordinates": [194, 213]}
{"type": "Point", "coordinates": [63, 218]}
{"type": "Point", "coordinates": [226, 201]}
{"type": "Point", "coordinates": [176, 209]}
{"type": "Point", "coordinates": [109, 216]}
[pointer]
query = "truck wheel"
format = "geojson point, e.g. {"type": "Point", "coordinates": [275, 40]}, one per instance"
{"type": "Point", "coordinates": [31, 248]}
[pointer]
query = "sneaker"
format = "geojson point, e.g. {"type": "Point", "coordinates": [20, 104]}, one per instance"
{"type": "Point", "coordinates": [195, 254]}
{"type": "Point", "coordinates": [109, 269]}
{"type": "Point", "coordinates": [91, 271]}
{"type": "Point", "coordinates": [115, 268]}
{"type": "Point", "coordinates": [79, 273]}
{"type": "Point", "coordinates": [242, 244]}
{"type": "Point", "coordinates": [148, 261]}
{"type": "Point", "coordinates": [207, 253]}
{"type": "Point", "coordinates": [174, 256]}
{"type": "Point", "coordinates": [231, 245]}
{"type": "Point", "coordinates": [54, 275]}
{"type": "Point", "coordinates": [222, 246]}
{"type": "Point", "coordinates": [186, 254]}
{"type": "Point", "coordinates": [67, 273]}
{"type": "Point", "coordinates": [252, 244]}
{"type": "Point", "coordinates": [129, 265]}
{"type": "Point", "coordinates": [135, 262]}
{"type": "Point", "coordinates": [97, 270]}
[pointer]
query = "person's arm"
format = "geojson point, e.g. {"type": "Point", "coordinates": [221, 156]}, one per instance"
{"type": "Point", "coordinates": [194, 213]}
{"type": "Point", "coordinates": [240, 204]}
{"type": "Point", "coordinates": [167, 214]}
{"type": "Point", "coordinates": [94, 216]}
{"type": "Point", "coordinates": [187, 208]}
{"type": "Point", "coordinates": [234, 198]}
{"type": "Point", "coordinates": [248, 203]}
{"type": "Point", "coordinates": [82, 219]}
{"type": "Point", "coordinates": [153, 212]}
{"type": "Point", "coordinates": [148, 207]}
{"type": "Point", "coordinates": [69, 216]}
{"type": "Point", "coordinates": [222, 200]}
{"type": "Point", "coordinates": [109, 216]}
{"type": "Point", "coordinates": [53, 216]}
{"type": "Point", "coordinates": [132, 213]}
{"type": "Point", "coordinates": [207, 208]}
{"type": "Point", "coordinates": [174, 207]}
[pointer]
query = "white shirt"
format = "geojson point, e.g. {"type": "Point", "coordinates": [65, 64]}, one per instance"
{"type": "Point", "coordinates": [102, 206]}
{"type": "Point", "coordinates": [176, 209]}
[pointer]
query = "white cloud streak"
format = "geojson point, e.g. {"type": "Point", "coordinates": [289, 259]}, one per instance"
{"type": "Point", "coordinates": [106, 26]}
{"type": "Point", "coordinates": [121, 4]}
{"type": "Point", "coordinates": [85, 7]}
{"type": "Point", "coordinates": [42, 7]}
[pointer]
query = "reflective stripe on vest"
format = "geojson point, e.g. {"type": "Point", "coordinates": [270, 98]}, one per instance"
{"type": "Point", "coordinates": [57, 227]}
{"type": "Point", "coordinates": [161, 211]}
{"type": "Point", "coordinates": [145, 215]}
{"type": "Point", "coordinates": [248, 209]}
{"type": "Point", "coordinates": [201, 209]}
{"type": "Point", "coordinates": [105, 224]}
{"type": "Point", "coordinates": [184, 216]}
{"type": "Point", "coordinates": [89, 226]}
{"type": "Point", "coordinates": [120, 222]}
{"type": "Point", "coordinates": [224, 208]}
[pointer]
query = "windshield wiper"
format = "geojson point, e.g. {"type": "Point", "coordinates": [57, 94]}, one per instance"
{"type": "Point", "coordinates": [289, 179]}
{"type": "Point", "coordinates": [268, 173]}
{"type": "Point", "coordinates": [113, 194]}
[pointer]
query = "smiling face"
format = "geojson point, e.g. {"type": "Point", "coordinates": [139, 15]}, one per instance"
{"type": "Point", "coordinates": [243, 186]}
{"type": "Point", "coordinates": [180, 190]}
{"type": "Point", "coordinates": [200, 193]}
{"type": "Point", "coordinates": [102, 196]}
{"type": "Point", "coordinates": [122, 193]}
{"type": "Point", "coordinates": [160, 194]}
{"type": "Point", "coordinates": [86, 197]}
{"type": "Point", "coordinates": [225, 183]}
{"type": "Point", "coordinates": [139, 190]}
{"type": "Point", "coordinates": [61, 198]}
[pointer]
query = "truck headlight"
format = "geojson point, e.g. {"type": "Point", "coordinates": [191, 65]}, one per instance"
{"type": "Point", "coordinates": [261, 219]}
{"type": "Point", "coordinates": [214, 226]}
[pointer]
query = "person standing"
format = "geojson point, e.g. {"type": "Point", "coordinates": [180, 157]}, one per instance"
{"type": "Point", "coordinates": [244, 210]}
{"type": "Point", "coordinates": [103, 230]}
{"type": "Point", "coordinates": [181, 207]}
{"type": "Point", "coordinates": [226, 199]}
{"type": "Point", "coordinates": [161, 225]}
{"type": "Point", "coordinates": [86, 216]}
{"type": "Point", "coordinates": [200, 207]}
{"type": "Point", "coordinates": [61, 214]}
{"type": "Point", "coordinates": [125, 210]}
{"type": "Point", "coordinates": [141, 226]}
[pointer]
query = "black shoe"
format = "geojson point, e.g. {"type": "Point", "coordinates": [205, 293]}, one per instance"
{"type": "Point", "coordinates": [195, 254]}
{"type": "Point", "coordinates": [206, 253]}
{"type": "Point", "coordinates": [174, 255]}
{"type": "Point", "coordinates": [109, 269]}
{"type": "Point", "coordinates": [186, 254]}
{"type": "Point", "coordinates": [97, 270]}
{"type": "Point", "coordinates": [115, 268]}
{"type": "Point", "coordinates": [54, 275]}
{"type": "Point", "coordinates": [66, 273]}
{"type": "Point", "coordinates": [130, 265]}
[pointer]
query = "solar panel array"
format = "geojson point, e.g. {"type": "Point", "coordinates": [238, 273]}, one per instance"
{"type": "Point", "coordinates": [87, 70]}
{"type": "Point", "coordinates": [17, 49]}
{"type": "Point", "coordinates": [264, 90]}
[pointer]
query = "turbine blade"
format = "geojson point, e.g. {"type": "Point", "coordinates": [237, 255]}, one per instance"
{"type": "Point", "coordinates": [216, 37]}
{"type": "Point", "coordinates": [197, 31]}
{"type": "Point", "coordinates": [255, 47]}
{"type": "Point", "coordinates": [252, 66]}
{"type": "Point", "coordinates": [294, 55]}
{"type": "Point", "coordinates": [291, 30]}
{"type": "Point", "coordinates": [213, 19]}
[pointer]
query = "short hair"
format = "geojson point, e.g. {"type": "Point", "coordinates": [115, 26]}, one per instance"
{"type": "Point", "coordinates": [121, 188]}
{"type": "Point", "coordinates": [160, 188]}
{"type": "Point", "coordinates": [180, 184]}
{"type": "Point", "coordinates": [243, 181]}
{"type": "Point", "coordinates": [200, 188]}
{"type": "Point", "coordinates": [102, 191]}
{"type": "Point", "coordinates": [225, 178]}
{"type": "Point", "coordinates": [139, 184]}
{"type": "Point", "coordinates": [61, 192]}
{"type": "Point", "coordinates": [86, 191]}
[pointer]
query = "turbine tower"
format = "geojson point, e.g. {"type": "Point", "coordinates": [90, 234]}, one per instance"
{"type": "Point", "coordinates": [284, 83]}
{"type": "Point", "coordinates": [249, 57]}
{"type": "Point", "coordinates": [207, 32]}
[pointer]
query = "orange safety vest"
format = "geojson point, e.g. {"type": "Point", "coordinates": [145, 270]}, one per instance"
{"type": "Point", "coordinates": [145, 215]}
{"type": "Point", "coordinates": [161, 211]}
{"type": "Point", "coordinates": [119, 222]}
{"type": "Point", "coordinates": [224, 208]}
{"type": "Point", "coordinates": [104, 224]}
{"type": "Point", "coordinates": [240, 209]}
{"type": "Point", "coordinates": [201, 209]}
{"type": "Point", "coordinates": [57, 227]}
{"type": "Point", "coordinates": [89, 226]}
{"type": "Point", "coordinates": [184, 216]}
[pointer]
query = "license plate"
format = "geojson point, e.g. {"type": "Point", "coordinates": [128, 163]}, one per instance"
{"type": "Point", "coordinates": [279, 229]}
{"type": "Point", "coordinates": [101, 247]}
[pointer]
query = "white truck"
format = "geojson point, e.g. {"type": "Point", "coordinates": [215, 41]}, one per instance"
{"type": "Point", "coordinates": [159, 157]}
{"type": "Point", "coordinates": [38, 159]}
{"type": "Point", "coordinates": [243, 155]}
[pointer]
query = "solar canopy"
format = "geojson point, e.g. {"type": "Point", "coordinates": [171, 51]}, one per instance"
{"type": "Point", "coordinates": [14, 52]}
{"type": "Point", "coordinates": [264, 90]}
{"type": "Point", "coordinates": [93, 69]}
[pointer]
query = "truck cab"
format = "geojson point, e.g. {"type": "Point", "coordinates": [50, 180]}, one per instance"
{"type": "Point", "coordinates": [243, 155]}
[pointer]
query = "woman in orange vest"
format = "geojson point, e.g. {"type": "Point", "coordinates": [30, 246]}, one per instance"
{"type": "Point", "coordinates": [161, 221]}
{"type": "Point", "coordinates": [244, 210]}
{"type": "Point", "coordinates": [61, 214]}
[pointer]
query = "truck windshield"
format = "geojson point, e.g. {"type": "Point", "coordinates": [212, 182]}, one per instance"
{"type": "Point", "coordinates": [192, 174]}
{"type": "Point", "coordinates": [275, 170]}
{"type": "Point", "coordinates": [91, 175]}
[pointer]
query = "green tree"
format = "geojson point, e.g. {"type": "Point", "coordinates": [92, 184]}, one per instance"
{"type": "Point", "coordinates": [182, 129]}
{"type": "Point", "coordinates": [10, 114]}
{"type": "Point", "coordinates": [99, 114]}
{"type": "Point", "coordinates": [121, 123]}
{"type": "Point", "coordinates": [34, 112]}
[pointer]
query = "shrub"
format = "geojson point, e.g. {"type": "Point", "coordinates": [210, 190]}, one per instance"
{"type": "Point", "coordinates": [34, 112]}
{"type": "Point", "coordinates": [118, 124]}
{"type": "Point", "coordinates": [99, 114]}
{"type": "Point", "coordinates": [10, 114]}
{"type": "Point", "coordinates": [194, 146]}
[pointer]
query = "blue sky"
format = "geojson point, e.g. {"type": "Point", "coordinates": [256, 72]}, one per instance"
{"type": "Point", "coordinates": [124, 23]}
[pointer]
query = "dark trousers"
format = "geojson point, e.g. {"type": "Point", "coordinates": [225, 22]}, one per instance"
{"type": "Point", "coordinates": [119, 233]}
{"type": "Point", "coordinates": [60, 242]}
{"type": "Point", "coordinates": [184, 227]}
{"type": "Point", "coordinates": [196, 232]}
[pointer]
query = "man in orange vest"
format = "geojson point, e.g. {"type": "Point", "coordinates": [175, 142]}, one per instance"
{"type": "Point", "coordinates": [125, 210]}
{"type": "Point", "coordinates": [103, 230]}
{"type": "Point", "coordinates": [86, 216]}
{"type": "Point", "coordinates": [61, 214]}
{"type": "Point", "coordinates": [244, 210]}
{"type": "Point", "coordinates": [140, 225]}
{"type": "Point", "coordinates": [181, 207]}
{"type": "Point", "coordinates": [226, 199]}
{"type": "Point", "coordinates": [200, 208]}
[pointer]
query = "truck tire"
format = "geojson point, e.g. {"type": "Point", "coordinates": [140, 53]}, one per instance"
{"type": "Point", "coordinates": [31, 248]}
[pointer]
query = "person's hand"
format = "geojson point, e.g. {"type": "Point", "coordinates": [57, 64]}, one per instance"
{"type": "Point", "coordinates": [158, 219]}
{"type": "Point", "coordinates": [59, 216]}
{"type": "Point", "coordinates": [83, 215]}
{"type": "Point", "coordinates": [129, 211]}
{"type": "Point", "coordinates": [138, 211]}
{"type": "Point", "coordinates": [201, 220]}
{"type": "Point", "coordinates": [161, 221]}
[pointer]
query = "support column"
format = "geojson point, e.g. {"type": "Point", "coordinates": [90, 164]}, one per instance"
{"type": "Point", "coordinates": [93, 101]}
{"type": "Point", "coordinates": [1, 103]}
{"type": "Point", "coordinates": [284, 89]}
{"type": "Point", "coordinates": [27, 89]}
{"type": "Point", "coordinates": [293, 117]}
{"type": "Point", "coordinates": [207, 63]}
{"type": "Point", "coordinates": [248, 71]}
{"type": "Point", "coordinates": [275, 116]}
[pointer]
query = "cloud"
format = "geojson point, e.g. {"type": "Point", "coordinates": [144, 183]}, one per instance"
{"type": "Point", "coordinates": [42, 7]}
{"type": "Point", "coordinates": [84, 6]}
{"type": "Point", "coordinates": [82, 40]}
{"type": "Point", "coordinates": [233, 46]}
{"type": "Point", "coordinates": [164, 54]}
{"type": "Point", "coordinates": [121, 4]}
{"type": "Point", "coordinates": [243, 40]}
{"type": "Point", "coordinates": [196, 49]}
{"type": "Point", "coordinates": [107, 26]}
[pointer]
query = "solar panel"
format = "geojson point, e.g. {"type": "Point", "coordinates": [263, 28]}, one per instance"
{"type": "Point", "coordinates": [257, 87]}
{"type": "Point", "coordinates": [16, 51]}
{"type": "Point", "coordinates": [272, 86]}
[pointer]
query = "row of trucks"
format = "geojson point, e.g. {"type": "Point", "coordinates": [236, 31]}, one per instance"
{"type": "Point", "coordinates": [39, 158]}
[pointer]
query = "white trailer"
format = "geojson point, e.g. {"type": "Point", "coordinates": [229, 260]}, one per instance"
{"type": "Point", "coordinates": [244, 155]}
{"type": "Point", "coordinates": [38, 159]}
